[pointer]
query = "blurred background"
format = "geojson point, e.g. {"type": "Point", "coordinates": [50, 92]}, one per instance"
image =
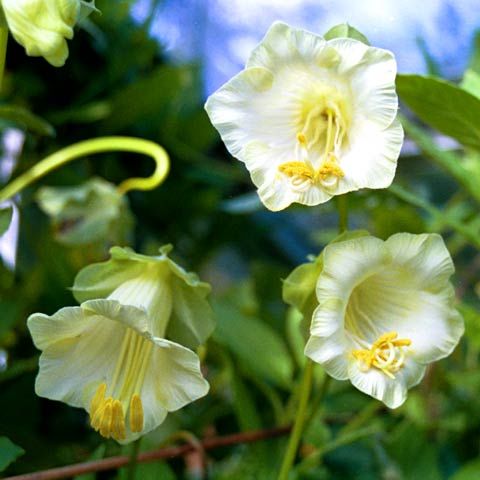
{"type": "Point", "coordinates": [144, 68]}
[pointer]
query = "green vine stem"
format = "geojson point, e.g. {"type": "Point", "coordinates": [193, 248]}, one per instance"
{"type": "Point", "coordinates": [90, 147]}
{"type": "Point", "coordinates": [132, 465]}
{"type": "Point", "coordinates": [342, 206]}
{"type": "Point", "coordinates": [3, 49]}
{"type": "Point", "coordinates": [300, 418]}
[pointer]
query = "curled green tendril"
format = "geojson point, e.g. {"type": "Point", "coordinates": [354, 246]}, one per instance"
{"type": "Point", "coordinates": [90, 147]}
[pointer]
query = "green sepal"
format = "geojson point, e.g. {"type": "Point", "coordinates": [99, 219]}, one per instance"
{"type": "Point", "coordinates": [344, 30]}
{"type": "Point", "coordinates": [86, 8]}
{"type": "Point", "coordinates": [191, 320]}
{"type": "Point", "coordinates": [88, 213]}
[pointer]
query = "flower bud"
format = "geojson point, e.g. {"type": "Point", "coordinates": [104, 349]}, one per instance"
{"type": "Point", "coordinates": [88, 213]}
{"type": "Point", "coordinates": [43, 26]}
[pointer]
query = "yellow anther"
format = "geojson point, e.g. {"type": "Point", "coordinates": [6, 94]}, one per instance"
{"type": "Point", "coordinates": [118, 421]}
{"type": "Point", "coordinates": [301, 138]}
{"type": "Point", "coordinates": [97, 416]}
{"type": "Point", "coordinates": [98, 398]}
{"type": "Point", "coordinates": [297, 169]}
{"type": "Point", "coordinates": [136, 413]}
{"type": "Point", "coordinates": [329, 168]}
{"type": "Point", "coordinates": [386, 354]}
{"type": "Point", "coordinates": [106, 422]}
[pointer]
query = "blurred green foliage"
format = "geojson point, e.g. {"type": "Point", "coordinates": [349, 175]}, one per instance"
{"type": "Point", "coordinates": [117, 81]}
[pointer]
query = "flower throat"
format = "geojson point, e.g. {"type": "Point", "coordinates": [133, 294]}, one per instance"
{"type": "Point", "coordinates": [322, 126]}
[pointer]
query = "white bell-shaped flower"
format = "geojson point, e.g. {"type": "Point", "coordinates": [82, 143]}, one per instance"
{"type": "Point", "coordinates": [117, 356]}
{"type": "Point", "coordinates": [385, 311]}
{"type": "Point", "coordinates": [311, 118]}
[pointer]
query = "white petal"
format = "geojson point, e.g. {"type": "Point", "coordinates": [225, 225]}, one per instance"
{"type": "Point", "coordinates": [392, 392]}
{"type": "Point", "coordinates": [127, 315]}
{"type": "Point", "coordinates": [352, 53]}
{"type": "Point", "coordinates": [174, 378]}
{"type": "Point", "coordinates": [249, 108]}
{"type": "Point", "coordinates": [327, 317]}
{"type": "Point", "coordinates": [283, 45]}
{"type": "Point", "coordinates": [192, 321]}
{"type": "Point", "coordinates": [66, 323]}
{"type": "Point", "coordinates": [424, 254]}
{"type": "Point", "coordinates": [76, 359]}
{"type": "Point", "coordinates": [330, 353]}
{"type": "Point", "coordinates": [347, 263]}
{"type": "Point", "coordinates": [274, 188]}
{"type": "Point", "coordinates": [371, 159]}
{"type": "Point", "coordinates": [372, 80]}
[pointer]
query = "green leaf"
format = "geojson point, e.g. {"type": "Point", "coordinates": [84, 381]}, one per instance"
{"type": "Point", "coordinates": [254, 343]}
{"type": "Point", "coordinates": [404, 444]}
{"type": "Point", "coordinates": [5, 219]}
{"type": "Point", "coordinates": [9, 452]}
{"type": "Point", "coordinates": [471, 82]}
{"type": "Point", "coordinates": [147, 98]}
{"type": "Point", "coordinates": [448, 161]}
{"type": "Point", "coordinates": [344, 30]}
{"type": "Point", "coordinates": [472, 323]}
{"type": "Point", "coordinates": [444, 106]}
{"type": "Point", "coordinates": [26, 119]}
{"type": "Point", "coordinates": [474, 63]}
{"type": "Point", "coordinates": [469, 471]}
{"type": "Point", "coordinates": [244, 405]}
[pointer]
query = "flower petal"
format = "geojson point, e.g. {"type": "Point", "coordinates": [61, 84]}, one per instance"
{"type": "Point", "coordinates": [346, 264]}
{"type": "Point", "coordinates": [77, 354]}
{"type": "Point", "coordinates": [372, 80]}
{"type": "Point", "coordinates": [330, 353]}
{"type": "Point", "coordinates": [283, 45]}
{"type": "Point", "coordinates": [174, 378]}
{"type": "Point", "coordinates": [425, 254]}
{"type": "Point", "coordinates": [243, 110]}
{"type": "Point", "coordinates": [192, 320]}
{"type": "Point", "coordinates": [371, 160]}
{"type": "Point", "coordinates": [274, 188]}
{"type": "Point", "coordinates": [392, 392]}
{"type": "Point", "coordinates": [128, 315]}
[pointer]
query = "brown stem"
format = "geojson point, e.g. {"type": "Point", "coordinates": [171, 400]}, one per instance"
{"type": "Point", "coordinates": [163, 453]}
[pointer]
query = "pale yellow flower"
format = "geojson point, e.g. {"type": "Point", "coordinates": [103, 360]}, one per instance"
{"type": "Point", "coordinates": [311, 118]}
{"type": "Point", "coordinates": [110, 355]}
{"type": "Point", "coordinates": [385, 310]}
{"type": "Point", "coordinates": [44, 26]}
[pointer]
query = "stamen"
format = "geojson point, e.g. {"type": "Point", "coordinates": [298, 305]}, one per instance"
{"type": "Point", "coordinates": [386, 354]}
{"type": "Point", "coordinates": [108, 413]}
{"type": "Point", "coordinates": [98, 398]}
{"type": "Point", "coordinates": [136, 414]}
{"type": "Point", "coordinates": [106, 422]}
{"type": "Point", "coordinates": [297, 169]}
{"type": "Point", "coordinates": [329, 168]}
{"type": "Point", "coordinates": [301, 138]}
{"type": "Point", "coordinates": [118, 421]}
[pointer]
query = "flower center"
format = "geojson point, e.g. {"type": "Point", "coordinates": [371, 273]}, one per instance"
{"type": "Point", "coordinates": [323, 124]}
{"type": "Point", "coordinates": [112, 404]}
{"type": "Point", "coordinates": [386, 354]}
